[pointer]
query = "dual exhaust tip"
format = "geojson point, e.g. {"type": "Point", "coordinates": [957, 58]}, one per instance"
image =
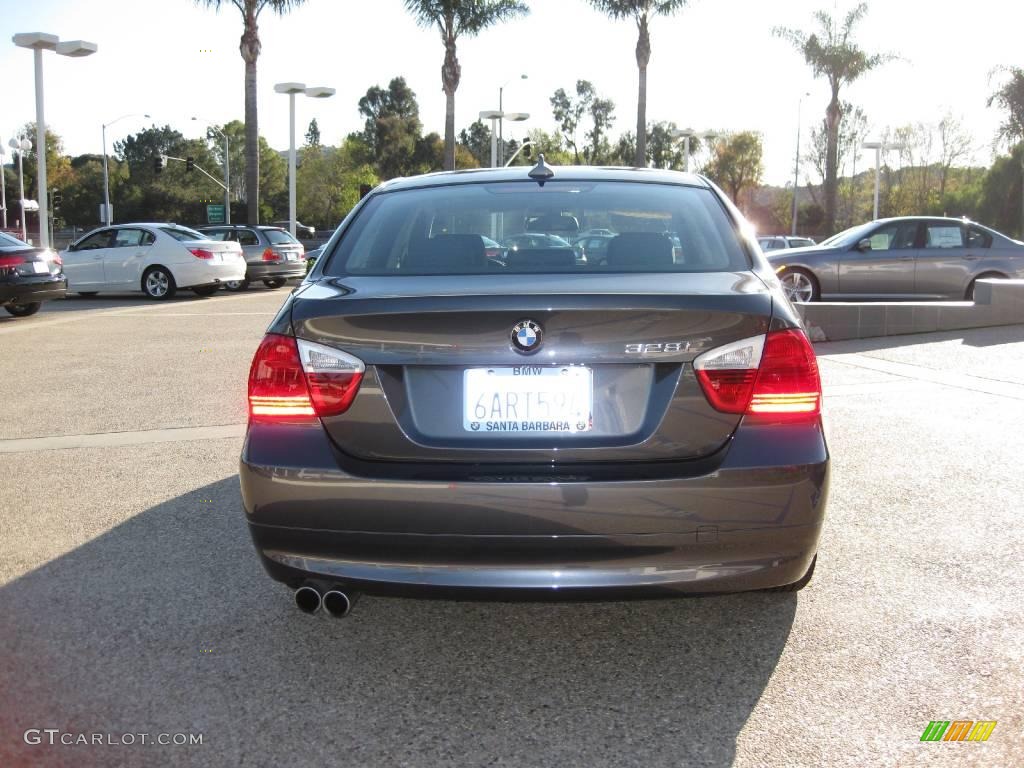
{"type": "Point", "coordinates": [335, 602]}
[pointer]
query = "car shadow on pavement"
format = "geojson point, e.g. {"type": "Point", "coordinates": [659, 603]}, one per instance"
{"type": "Point", "coordinates": [167, 624]}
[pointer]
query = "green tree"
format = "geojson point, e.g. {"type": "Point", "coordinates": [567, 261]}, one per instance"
{"type": "Point", "coordinates": [313, 134]}
{"type": "Point", "coordinates": [58, 165]}
{"type": "Point", "coordinates": [455, 19]}
{"type": "Point", "coordinates": [568, 113]}
{"type": "Point", "coordinates": [1010, 98]}
{"type": "Point", "coordinates": [602, 115]}
{"type": "Point", "coordinates": [1001, 192]}
{"type": "Point", "coordinates": [328, 184]}
{"type": "Point", "coordinates": [250, 47]}
{"type": "Point", "coordinates": [477, 140]}
{"type": "Point", "coordinates": [736, 164]}
{"type": "Point", "coordinates": [831, 53]}
{"type": "Point", "coordinates": [392, 130]}
{"type": "Point", "coordinates": [641, 12]}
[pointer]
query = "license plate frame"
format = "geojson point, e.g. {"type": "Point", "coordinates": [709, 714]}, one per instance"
{"type": "Point", "coordinates": [528, 400]}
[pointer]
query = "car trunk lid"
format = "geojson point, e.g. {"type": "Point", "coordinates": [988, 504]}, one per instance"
{"type": "Point", "coordinates": [438, 348]}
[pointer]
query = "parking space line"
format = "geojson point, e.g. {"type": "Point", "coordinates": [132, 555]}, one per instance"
{"type": "Point", "coordinates": [121, 439]}
{"type": "Point", "coordinates": [154, 309]}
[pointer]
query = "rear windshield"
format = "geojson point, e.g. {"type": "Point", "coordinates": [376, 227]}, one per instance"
{"type": "Point", "coordinates": [279, 237]}
{"type": "Point", "coordinates": [183, 234]}
{"type": "Point", "coordinates": [441, 230]}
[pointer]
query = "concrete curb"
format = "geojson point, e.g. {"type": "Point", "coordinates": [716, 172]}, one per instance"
{"type": "Point", "coordinates": [996, 302]}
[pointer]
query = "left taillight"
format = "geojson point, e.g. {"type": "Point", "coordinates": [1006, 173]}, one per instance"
{"type": "Point", "coordinates": [296, 380]}
{"type": "Point", "coordinates": [773, 377]}
{"type": "Point", "coordinates": [201, 253]}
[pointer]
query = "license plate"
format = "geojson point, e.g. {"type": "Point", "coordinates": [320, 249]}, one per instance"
{"type": "Point", "coordinates": [530, 399]}
{"type": "Point", "coordinates": [40, 266]}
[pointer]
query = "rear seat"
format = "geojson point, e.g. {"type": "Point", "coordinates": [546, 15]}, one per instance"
{"type": "Point", "coordinates": [645, 250]}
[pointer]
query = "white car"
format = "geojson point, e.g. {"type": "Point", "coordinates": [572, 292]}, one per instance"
{"type": "Point", "coordinates": [156, 259]}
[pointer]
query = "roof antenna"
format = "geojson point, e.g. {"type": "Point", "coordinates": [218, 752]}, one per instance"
{"type": "Point", "coordinates": [541, 172]}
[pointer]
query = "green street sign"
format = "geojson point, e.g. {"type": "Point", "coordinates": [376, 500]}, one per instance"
{"type": "Point", "coordinates": [214, 214]}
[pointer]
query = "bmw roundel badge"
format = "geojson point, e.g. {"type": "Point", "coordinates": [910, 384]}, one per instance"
{"type": "Point", "coordinates": [527, 336]}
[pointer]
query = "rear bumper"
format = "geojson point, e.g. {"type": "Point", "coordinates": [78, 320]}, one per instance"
{"type": "Point", "coordinates": [751, 522]}
{"type": "Point", "coordinates": [32, 289]}
{"type": "Point", "coordinates": [200, 273]}
{"type": "Point", "coordinates": [269, 270]}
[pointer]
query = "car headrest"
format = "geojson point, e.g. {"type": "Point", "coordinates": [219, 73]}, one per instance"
{"type": "Point", "coordinates": [640, 249]}
{"type": "Point", "coordinates": [443, 253]}
{"type": "Point", "coordinates": [541, 258]}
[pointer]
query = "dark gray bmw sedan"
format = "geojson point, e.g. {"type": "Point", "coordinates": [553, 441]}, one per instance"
{"type": "Point", "coordinates": [426, 418]}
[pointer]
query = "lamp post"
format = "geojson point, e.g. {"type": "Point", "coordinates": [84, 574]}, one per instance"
{"type": "Point", "coordinates": [39, 42]}
{"type": "Point", "coordinates": [291, 89]}
{"type": "Point", "coordinates": [879, 147]}
{"type": "Point", "coordinates": [3, 186]}
{"type": "Point", "coordinates": [796, 163]}
{"type": "Point", "coordinates": [108, 215]}
{"type": "Point", "coordinates": [686, 134]}
{"type": "Point", "coordinates": [497, 116]}
{"type": "Point", "coordinates": [501, 115]}
{"type": "Point", "coordinates": [227, 170]}
{"type": "Point", "coordinates": [21, 145]}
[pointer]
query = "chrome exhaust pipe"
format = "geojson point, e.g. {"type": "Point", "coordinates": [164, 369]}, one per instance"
{"type": "Point", "coordinates": [338, 604]}
{"type": "Point", "coordinates": [308, 599]}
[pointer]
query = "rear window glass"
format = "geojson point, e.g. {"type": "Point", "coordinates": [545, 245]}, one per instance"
{"type": "Point", "coordinates": [6, 241]}
{"type": "Point", "coordinates": [279, 236]}
{"type": "Point", "coordinates": [182, 233]}
{"type": "Point", "coordinates": [441, 230]}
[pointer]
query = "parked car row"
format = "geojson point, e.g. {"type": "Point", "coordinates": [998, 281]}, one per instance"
{"type": "Point", "coordinates": [156, 258]}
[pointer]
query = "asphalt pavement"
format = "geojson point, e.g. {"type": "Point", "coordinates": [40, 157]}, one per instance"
{"type": "Point", "coordinates": [131, 601]}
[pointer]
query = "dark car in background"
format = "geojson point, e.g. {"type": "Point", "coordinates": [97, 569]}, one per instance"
{"type": "Point", "coordinates": [271, 254]}
{"type": "Point", "coordinates": [910, 257]}
{"type": "Point", "coordinates": [28, 276]}
{"type": "Point", "coordinates": [425, 419]}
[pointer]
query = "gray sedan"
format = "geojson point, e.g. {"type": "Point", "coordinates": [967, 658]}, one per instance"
{"type": "Point", "coordinates": [914, 257]}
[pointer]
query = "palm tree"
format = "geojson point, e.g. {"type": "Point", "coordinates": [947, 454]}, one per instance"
{"type": "Point", "coordinates": [834, 55]}
{"type": "Point", "coordinates": [250, 49]}
{"type": "Point", "coordinates": [640, 11]}
{"type": "Point", "coordinates": [454, 18]}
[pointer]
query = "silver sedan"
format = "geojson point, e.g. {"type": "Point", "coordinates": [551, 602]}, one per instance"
{"type": "Point", "coordinates": [914, 257]}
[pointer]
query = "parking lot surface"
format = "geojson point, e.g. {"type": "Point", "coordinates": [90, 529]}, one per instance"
{"type": "Point", "coordinates": [131, 600]}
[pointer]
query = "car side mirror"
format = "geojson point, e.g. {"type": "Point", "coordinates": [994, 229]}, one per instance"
{"type": "Point", "coordinates": [864, 245]}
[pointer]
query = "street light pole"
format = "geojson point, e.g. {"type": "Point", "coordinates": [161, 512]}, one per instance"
{"type": "Point", "coordinates": [501, 122]}
{"type": "Point", "coordinates": [686, 134]}
{"type": "Point", "coordinates": [291, 89]}
{"type": "Point", "coordinates": [21, 145]}
{"type": "Point", "coordinates": [879, 147]}
{"type": "Point", "coordinates": [3, 186]}
{"type": "Point", "coordinates": [108, 216]}
{"type": "Point", "coordinates": [796, 165]}
{"type": "Point", "coordinates": [39, 42]}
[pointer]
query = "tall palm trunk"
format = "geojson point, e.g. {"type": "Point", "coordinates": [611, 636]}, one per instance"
{"type": "Point", "coordinates": [833, 116]}
{"type": "Point", "coordinates": [643, 57]}
{"type": "Point", "coordinates": [250, 48]}
{"type": "Point", "coordinates": [451, 74]}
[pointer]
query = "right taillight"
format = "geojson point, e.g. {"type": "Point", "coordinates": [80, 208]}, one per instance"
{"type": "Point", "coordinates": [296, 380]}
{"type": "Point", "coordinates": [270, 255]}
{"type": "Point", "coordinates": [772, 377]}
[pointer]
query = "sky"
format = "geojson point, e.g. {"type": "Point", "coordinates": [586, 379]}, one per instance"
{"type": "Point", "coordinates": [714, 66]}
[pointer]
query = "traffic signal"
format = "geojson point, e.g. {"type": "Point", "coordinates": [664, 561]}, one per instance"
{"type": "Point", "coordinates": [158, 164]}
{"type": "Point", "coordinates": [190, 163]}
{"type": "Point", "coordinates": [57, 198]}
{"type": "Point", "coordinates": [364, 190]}
{"type": "Point", "coordinates": [527, 148]}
